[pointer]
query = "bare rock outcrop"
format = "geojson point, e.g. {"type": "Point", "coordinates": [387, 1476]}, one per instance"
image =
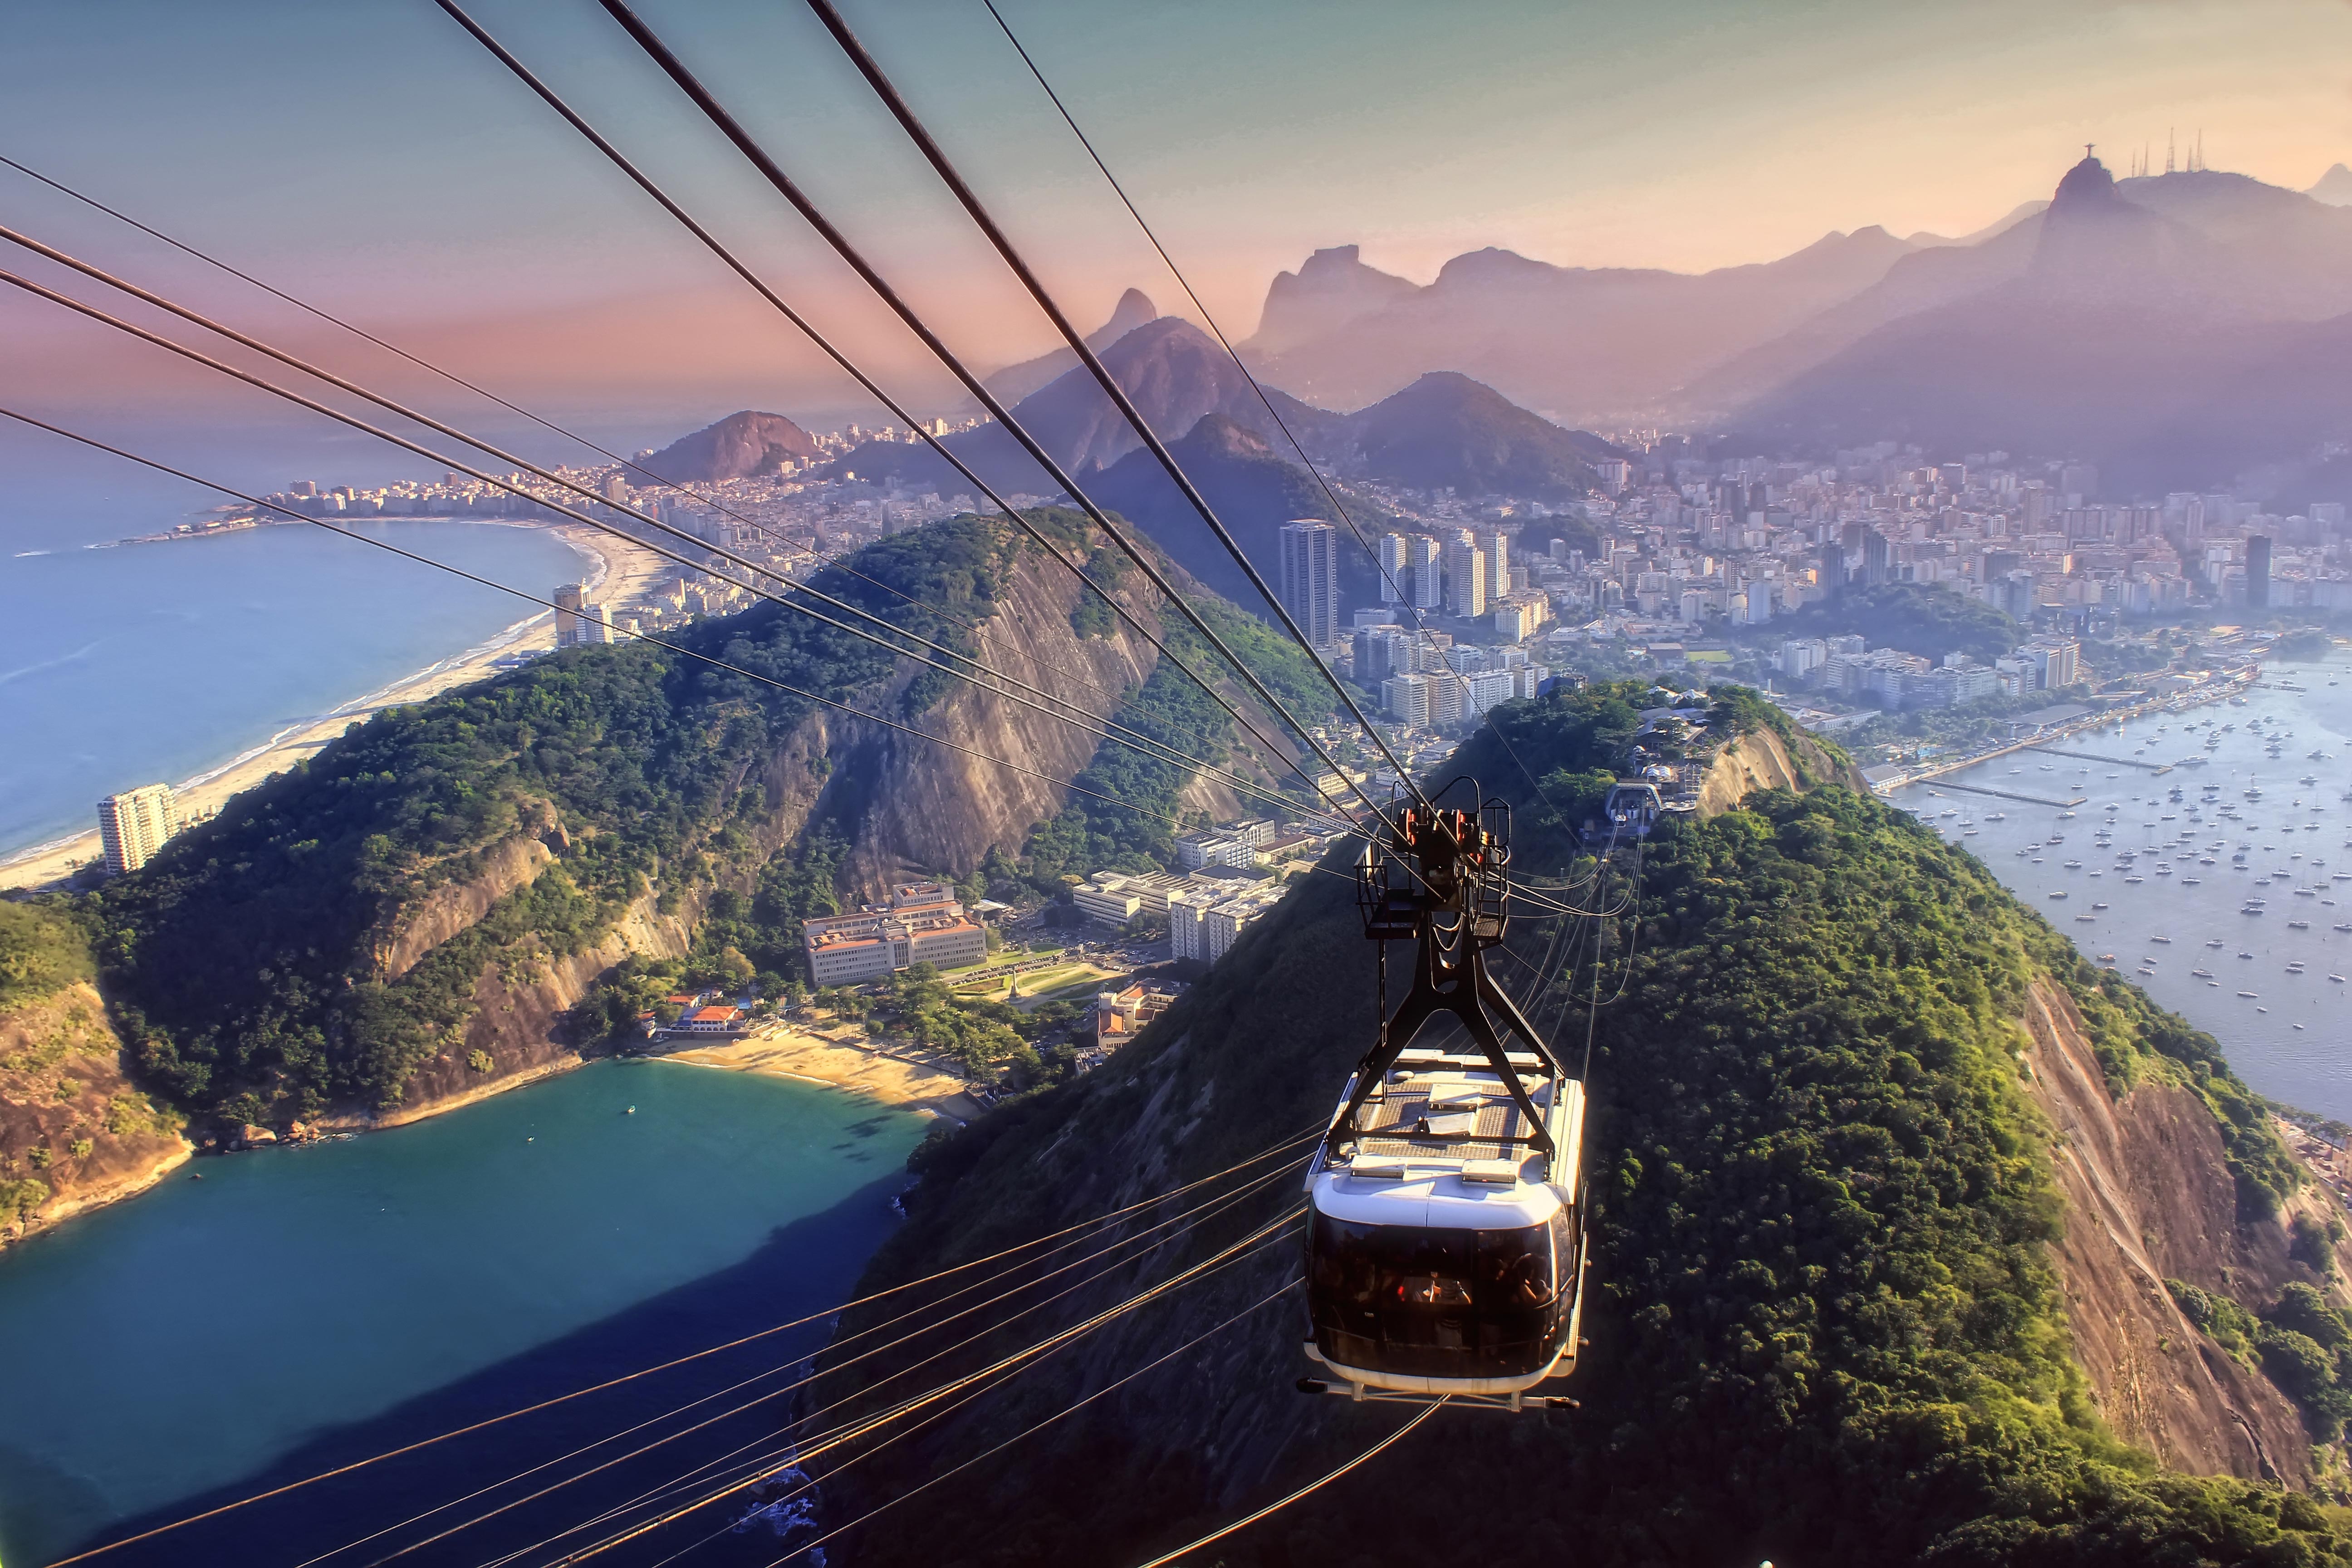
{"type": "Point", "coordinates": [2150, 1197]}
{"type": "Point", "coordinates": [74, 1132]}
{"type": "Point", "coordinates": [921, 807]}
{"type": "Point", "coordinates": [1762, 760]}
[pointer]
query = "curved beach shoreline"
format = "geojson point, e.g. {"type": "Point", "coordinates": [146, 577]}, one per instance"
{"type": "Point", "coordinates": [617, 571]}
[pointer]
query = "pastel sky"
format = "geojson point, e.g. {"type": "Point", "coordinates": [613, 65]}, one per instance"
{"type": "Point", "coordinates": [367, 154]}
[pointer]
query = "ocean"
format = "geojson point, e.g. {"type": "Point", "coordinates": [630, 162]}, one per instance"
{"type": "Point", "coordinates": [297, 1309]}
{"type": "Point", "coordinates": [124, 665]}
{"type": "Point", "coordinates": [2158, 886]}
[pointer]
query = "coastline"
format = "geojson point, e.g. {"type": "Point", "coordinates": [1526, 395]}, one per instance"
{"type": "Point", "coordinates": [617, 571]}
{"type": "Point", "coordinates": [806, 1056]}
{"type": "Point", "coordinates": [54, 1215]}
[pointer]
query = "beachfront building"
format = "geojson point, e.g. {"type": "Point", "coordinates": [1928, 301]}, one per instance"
{"type": "Point", "coordinates": [579, 623]}
{"type": "Point", "coordinates": [925, 923]}
{"type": "Point", "coordinates": [719, 1020]}
{"type": "Point", "coordinates": [133, 825]}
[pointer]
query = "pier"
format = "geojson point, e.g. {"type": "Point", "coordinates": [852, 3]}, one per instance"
{"type": "Point", "coordinates": [2094, 757]}
{"type": "Point", "coordinates": [2009, 794]}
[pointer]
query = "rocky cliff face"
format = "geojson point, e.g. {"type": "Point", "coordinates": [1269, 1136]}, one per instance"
{"type": "Point", "coordinates": [909, 807]}
{"type": "Point", "coordinates": [919, 807]}
{"type": "Point", "coordinates": [74, 1132]}
{"type": "Point", "coordinates": [1762, 760]}
{"type": "Point", "coordinates": [2149, 1198]}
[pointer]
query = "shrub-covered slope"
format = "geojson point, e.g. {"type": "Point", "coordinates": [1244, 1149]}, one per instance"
{"type": "Point", "coordinates": [73, 1131]}
{"type": "Point", "coordinates": [1824, 1315]}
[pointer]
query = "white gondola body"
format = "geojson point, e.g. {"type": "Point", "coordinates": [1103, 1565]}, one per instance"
{"type": "Point", "coordinates": [1441, 1259]}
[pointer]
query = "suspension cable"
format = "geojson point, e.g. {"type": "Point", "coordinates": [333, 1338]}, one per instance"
{"type": "Point", "coordinates": [1107, 728]}
{"type": "Point", "coordinates": [1283, 1502]}
{"type": "Point", "coordinates": [644, 1372]}
{"type": "Point", "coordinates": [1084, 719]}
{"type": "Point", "coordinates": [971, 203]}
{"type": "Point", "coordinates": [766, 166]}
{"type": "Point", "coordinates": [713, 501]}
{"type": "Point", "coordinates": [1017, 1359]}
{"type": "Point", "coordinates": [1214, 1207]}
{"type": "Point", "coordinates": [1329, 493]}
{"type": "Point", "coordinates": [1067, 1410]}
{"type": "Point", "coordinates": [1094, 512]}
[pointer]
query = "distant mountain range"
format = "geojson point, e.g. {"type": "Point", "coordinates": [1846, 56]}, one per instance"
{"type": "Point", "coordinates": [2179, 329]}
{"type": "Point", "coordinates": [1015, 382]}
{"type": "Point", "coordinates": [1581, 345]}
{"type": "Point", "coordinates": [1443, 430]}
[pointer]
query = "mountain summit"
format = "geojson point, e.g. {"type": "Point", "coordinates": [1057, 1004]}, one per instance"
{"type": "Point", "coordinates": [2335, 187]}
{"type": "Point", "coordinates": [738, 446]}
{"type": "Point", "coordinates": [1015, 382]}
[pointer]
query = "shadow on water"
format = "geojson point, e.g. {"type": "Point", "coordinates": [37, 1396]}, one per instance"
{"type": "Point", "coordinates": [806, 1267]}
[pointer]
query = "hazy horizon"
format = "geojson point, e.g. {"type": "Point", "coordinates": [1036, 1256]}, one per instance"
{"type": "Point", "coordinates": [387, 168]}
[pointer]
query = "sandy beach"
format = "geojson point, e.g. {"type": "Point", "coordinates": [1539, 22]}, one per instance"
{"type": "Point", "coordinates": [845, 1062]}
{"type": "Point", "coordinates": [621, 572]}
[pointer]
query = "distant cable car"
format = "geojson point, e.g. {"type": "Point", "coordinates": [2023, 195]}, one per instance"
{"type": "Point", "coordinates": [1634, 804]}
{"type": "Point", "coordinates": [1446, 1252]}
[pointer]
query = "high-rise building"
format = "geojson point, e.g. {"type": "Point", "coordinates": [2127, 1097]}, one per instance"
{"type": "Point", "coordinates": [1310, 578]}
{"type": "Point", "coordinates": [1423, 555]}
{"type": "Point", "coordinates": [1381, 652]}
{"type": "Point", "coordinates": [1497, 548]}
{"type": "Point", "coordinates": [1407, 697]}
{"type": "Point", "coordinates": [570, 626]}
{"type": "Point", "coordinates": [2258, 571]}
{"type": "Point", "coordinates": [133, 826]}
{"type": "Point", "coordinates": [1466, 580]}
{"type": "Point", "coordinates": [1396, 571]}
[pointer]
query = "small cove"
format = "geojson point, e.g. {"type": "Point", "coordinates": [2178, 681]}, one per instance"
{"type": "Point", "coordinates": [179, 1344]}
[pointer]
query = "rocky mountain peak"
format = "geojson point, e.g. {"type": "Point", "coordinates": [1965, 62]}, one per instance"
{"type": "Point", "coordinates": [738, 446]}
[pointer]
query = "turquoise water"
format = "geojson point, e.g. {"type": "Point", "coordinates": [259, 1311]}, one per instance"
{"type": "Point", "coordinates": [121, 667]}
{"type": "Point", "coordinates": [2198, 861]}
{"type": "Point", "coordinates": [193, 1336]}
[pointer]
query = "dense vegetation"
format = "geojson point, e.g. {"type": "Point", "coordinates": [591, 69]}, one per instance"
{"type": "Point", "coordinates": [1825, 1327]}
{"type": "Point", "coordinates": [40, 952]}
{"type": "Point", "coordinates": [245, 963]}
{"type": "Point", "coordinates": [1928, 619]}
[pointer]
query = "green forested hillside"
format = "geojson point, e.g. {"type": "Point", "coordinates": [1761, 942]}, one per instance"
{"type": "Point", "coordinates": [1930, 621]}
{"type": "Point", "coordinates": [1825, 1327]}
{"type": "Point", "coordinates": [242, 964]}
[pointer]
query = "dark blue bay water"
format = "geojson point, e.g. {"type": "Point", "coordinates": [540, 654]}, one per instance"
{"type": "Point", "coordinates": [121, 667]}
{"type": "Point", "coordinates": [297, 1309]}
{"type": "Point", "coordinates": [2259, 832]}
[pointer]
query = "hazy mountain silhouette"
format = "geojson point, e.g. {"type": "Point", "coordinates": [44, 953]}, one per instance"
{"type": "Point", "coordinates": [1578, 345]}
{"type": "Point", "coordinates": [2003, 225]}
{"type": "Point", "coordinates": [2335, 187]}
{"type": "Point", "coordinates": [1252, 491]}
{"type": "Point", "coordinates": [1015, 382]}
{"type": "Point", "coordinates": [1174, 373]}
{"type": "Point", "coordinates": [1332, 288]}
{"type": "Point", "coordinates": [736, 448]}
{"type": "Point", "coordinates": [1446, 430]}
{"type": "Point", "coordinates": [2139, 302]}
{"type": "Point", "coordinates": [1923, 280]}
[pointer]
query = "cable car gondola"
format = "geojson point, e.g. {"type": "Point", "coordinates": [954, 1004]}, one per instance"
{"type": "Point", "coordinates": [1634, 805]}
{"type": "Point", "coordinates": [1446, 1250]}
